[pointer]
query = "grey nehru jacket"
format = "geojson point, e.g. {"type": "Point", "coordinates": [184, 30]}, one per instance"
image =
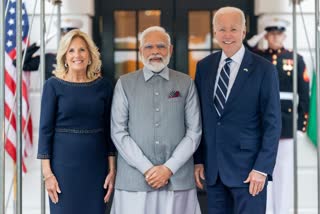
{"type": "Point", "coordinates": [155, 120]}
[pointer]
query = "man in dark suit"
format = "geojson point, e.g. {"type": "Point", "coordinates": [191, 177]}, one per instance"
{"type": "Point", "coordinates": [240, 104]}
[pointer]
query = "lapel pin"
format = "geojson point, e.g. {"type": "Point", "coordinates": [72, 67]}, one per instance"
{"type": "Point", "coordinates": [246, 69]}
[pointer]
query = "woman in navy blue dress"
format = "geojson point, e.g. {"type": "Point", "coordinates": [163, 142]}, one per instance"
{"type": "Point", "coordinates": [78, 162]}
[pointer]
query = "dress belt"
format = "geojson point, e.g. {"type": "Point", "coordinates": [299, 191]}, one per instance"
{"type": "Point", "coordinates": [79, 131]}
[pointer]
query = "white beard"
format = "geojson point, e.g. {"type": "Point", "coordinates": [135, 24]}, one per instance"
{"type": "Point", "coordinates": [156, 66]}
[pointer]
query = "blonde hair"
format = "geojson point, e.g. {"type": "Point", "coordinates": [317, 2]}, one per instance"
{"type": "Point", "coordinates": [226, 10]}
{"type": "Point", "coordinates": [93, 70]}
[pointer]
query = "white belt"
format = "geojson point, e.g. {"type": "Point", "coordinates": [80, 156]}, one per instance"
{"type": "Point", "coordinates": [287, 96]}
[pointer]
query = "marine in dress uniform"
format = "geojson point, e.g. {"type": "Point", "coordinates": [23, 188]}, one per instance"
{"type": "Point", "coordinates": [281, 190]}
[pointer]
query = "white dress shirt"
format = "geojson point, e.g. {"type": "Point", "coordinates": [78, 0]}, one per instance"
{"type": "Point", "coordinates": [234, 68]}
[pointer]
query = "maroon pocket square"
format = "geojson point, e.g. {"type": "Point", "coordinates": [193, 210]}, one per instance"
{"type": "Point", "coordinates": [174, 94]}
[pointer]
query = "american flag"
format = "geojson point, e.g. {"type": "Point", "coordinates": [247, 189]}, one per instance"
{"type": "Point", "coordinates": [10, 86]}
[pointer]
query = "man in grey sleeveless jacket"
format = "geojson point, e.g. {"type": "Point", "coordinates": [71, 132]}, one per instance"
{"type": "Point", "coordinates": [156, 127]}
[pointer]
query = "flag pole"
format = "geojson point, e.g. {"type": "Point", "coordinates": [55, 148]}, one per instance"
{"type": "Point", "coordinates": [19, 105]}
{"type": "Point", "coordinates": [295, 106]}
{"type": "Point", "coordinates": [2, 97]}
{"type": "Point", "coordinates": [58, 3]}
{"type": "Point", "coordinates": [317, 30]}
{"type": "Point", "coordinates": [15, 93]}
{"type": "Point", "coordinates": [15, 189]}
{"type": "Point", "coordinates": [9, 194]}
{"type": "Point", "coordinates": [42, 79]}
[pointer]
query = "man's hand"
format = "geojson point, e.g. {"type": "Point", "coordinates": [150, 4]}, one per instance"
{"type": "Point", "coordinates": [158, 176]}
{"type": "Point", "coordinates": [253, 41]}
{"type": "Point", "coordinates": [199, 173]}
{"type": "Point", "coordinates": [256, 181]}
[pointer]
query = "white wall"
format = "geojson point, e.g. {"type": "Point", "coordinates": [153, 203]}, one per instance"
{"type": "Point", "coordinates": [307, 155]}
{"type": "Point", "coordinates": [83, 12]}
{"type": "Point", "coordinates": [281, 6]}
{"type": "Point", "coordinates": [68, 7]}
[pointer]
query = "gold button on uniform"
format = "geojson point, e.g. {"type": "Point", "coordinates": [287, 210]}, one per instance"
{"type": "Point", "coordinates": [289, 110]}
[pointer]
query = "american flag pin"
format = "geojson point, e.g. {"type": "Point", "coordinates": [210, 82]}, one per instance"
{"type": "Point", "coordinates": [246, 69]}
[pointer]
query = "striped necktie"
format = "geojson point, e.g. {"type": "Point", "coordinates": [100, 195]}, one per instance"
{"type": "Point", "coordinates": [220, 97]}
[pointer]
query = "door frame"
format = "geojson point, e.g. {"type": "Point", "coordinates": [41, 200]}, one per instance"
{"type": "Point", "coordinates": [107, 23]}
{"type": "Point", "coordinates": [174, 18]}
{"type": "Point", "coordinates": [182, 9]}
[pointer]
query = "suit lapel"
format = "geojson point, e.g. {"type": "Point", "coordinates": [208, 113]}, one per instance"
{"type": "Point", "coordinates": [211, 78]}
{"type": "Point", "coordinates": [243, 74]}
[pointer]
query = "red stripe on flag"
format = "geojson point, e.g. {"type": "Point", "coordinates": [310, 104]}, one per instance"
{"type": "Point", "coordinates": [12, 54]}
{"type": "Point", "coordinates": [11, 87]}
{"type": "Point", "coordinates": [11, 83]}
{"type": "Point", "coordinates": [11, 149]}
{"type": "Point", "coordinates": [7, 112]}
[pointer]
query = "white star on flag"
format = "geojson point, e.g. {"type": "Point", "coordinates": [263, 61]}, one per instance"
{"type": "Point", "coordinates": [11, 86]}
{"type": "Point", "coordinates": [9, 43]}
{"type": "Point", "coordinates": [10, 32]}
{"type": "Point", "coordinates": [12, 10]}
{"type": "Point", "coordinates": [11, 21]}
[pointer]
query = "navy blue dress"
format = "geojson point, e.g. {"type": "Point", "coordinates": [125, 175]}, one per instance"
{"type": "Point", "coordinates": [74, 134]}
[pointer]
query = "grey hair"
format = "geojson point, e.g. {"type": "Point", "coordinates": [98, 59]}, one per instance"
{"type": "Point", "coordinates": [153, 29]}
{"type": "Point", "coordinates": [225, 10]}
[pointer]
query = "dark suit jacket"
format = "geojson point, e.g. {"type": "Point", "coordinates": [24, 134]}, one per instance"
{"type": "Point", "coordinates": [247, 134]}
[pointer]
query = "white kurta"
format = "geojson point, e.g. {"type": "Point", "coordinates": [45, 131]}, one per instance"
{"type": "Point", "coordinates": [155, 202]}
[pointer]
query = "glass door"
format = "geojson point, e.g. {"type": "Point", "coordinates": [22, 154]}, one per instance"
{"type": "Point", "coordinates": [188, 22]}
{"type": "Point", "coordinates": [194, 32]}
{"type": "Point", "coordinates": [122, 22]}
{"type": "Point", "coordinates": [128, 27]}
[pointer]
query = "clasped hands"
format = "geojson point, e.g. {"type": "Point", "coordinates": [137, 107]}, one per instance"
{"type": "Point", "coordinates": [158, 176]}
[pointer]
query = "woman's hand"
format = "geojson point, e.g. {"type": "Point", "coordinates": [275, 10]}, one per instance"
{"type": "Point", "coordinates": [52, 187]}
{"type": "Point", "coordinates": [109, 184]}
